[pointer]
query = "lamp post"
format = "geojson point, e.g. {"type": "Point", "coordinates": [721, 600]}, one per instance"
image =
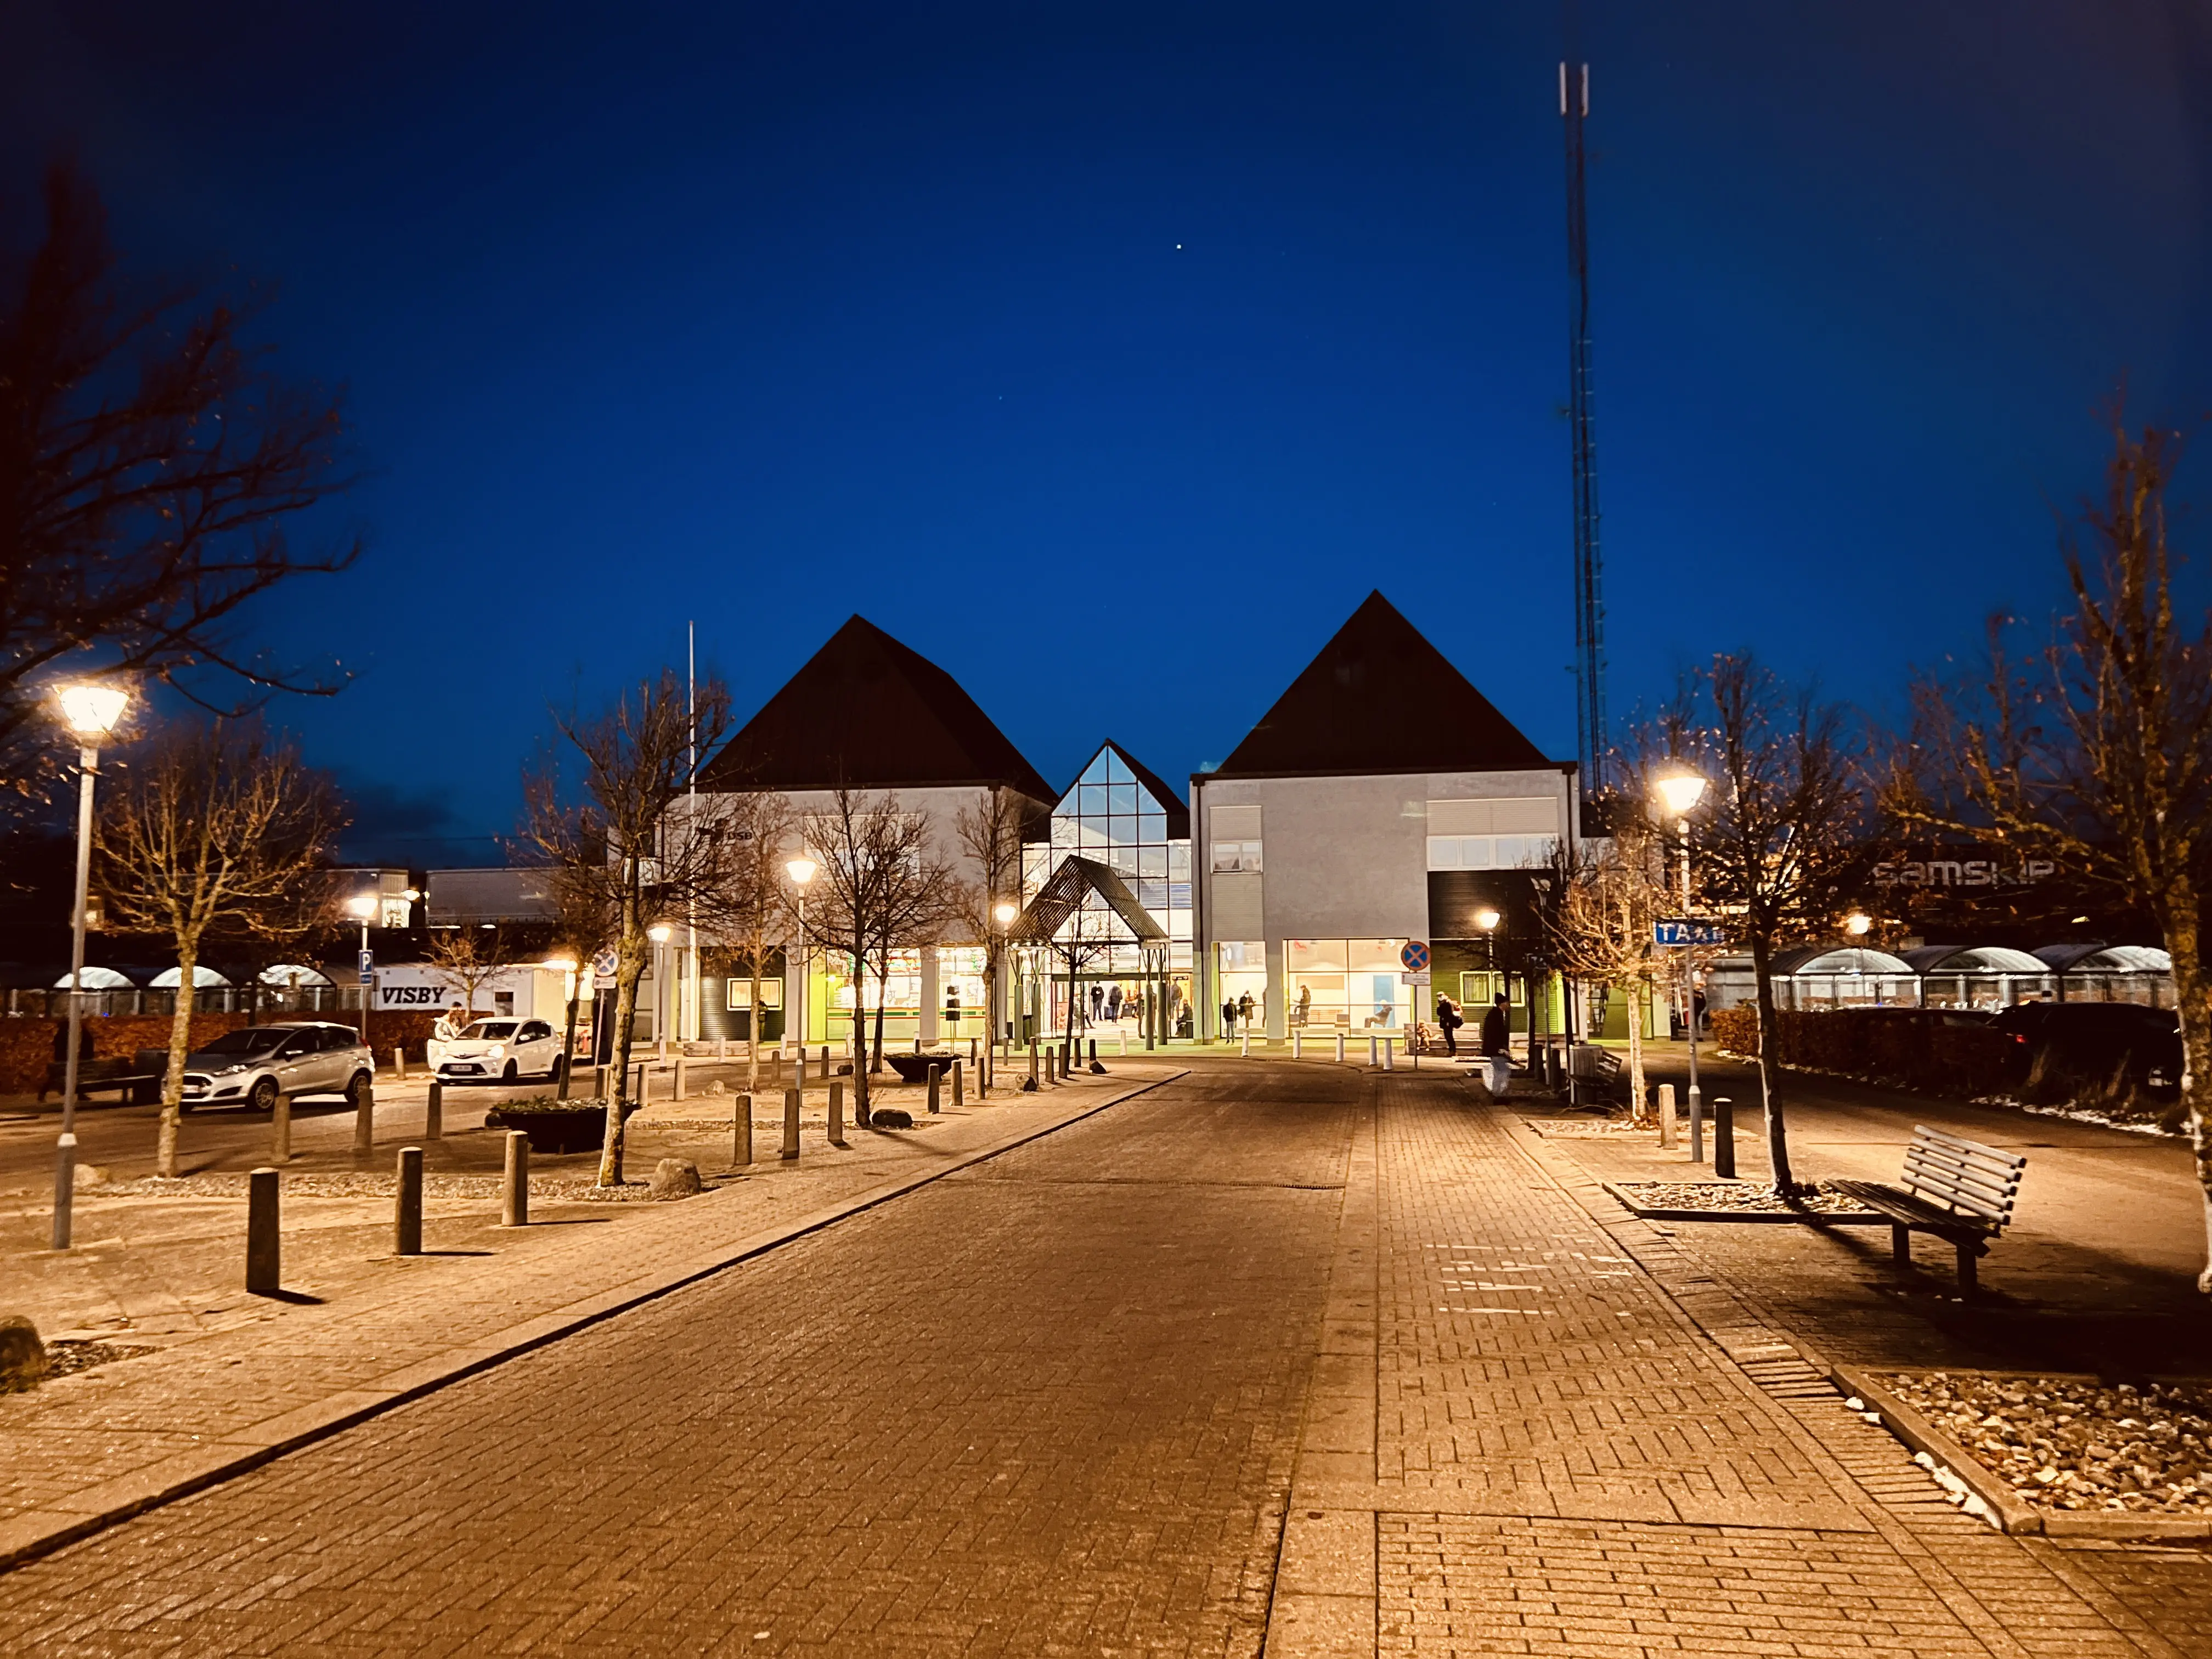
{"type": "Point", "coordinates": [1004, 915]}
{"type": "Point", "coordinates": [802, 870]}
{"type": "Point", "coordinates": [1680, 792]}
{"type": "Point", "coordinates": [660, 933]}
{"type": "Point", "coordinates": [91, 712]}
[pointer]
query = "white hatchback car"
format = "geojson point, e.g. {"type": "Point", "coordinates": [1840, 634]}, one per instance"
{"type": "Point", "coordinates": [502, 1051]}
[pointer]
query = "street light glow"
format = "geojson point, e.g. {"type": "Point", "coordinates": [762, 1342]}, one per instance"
{"type": "Point", "coordinates": [91, 711]}
{"type": "Point", "coordinates": [1487, 918]}
{"type": "Point", "coordinates": [801, 869]}
{"type": "Point", "coordinates": [1858, 924]}
{"type": "Point", "coordinates": [1006, 913]}
{"type": "Point", "coordinates": [362, 905]}
{"type": "Point", "coordinates": [660, 933]}
{"type": "Point", "coordinates": [559, 965]}
{"type": "Point", "coordinates": [1680, 791]}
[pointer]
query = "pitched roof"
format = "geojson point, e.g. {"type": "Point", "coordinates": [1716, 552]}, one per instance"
{"type": "Point", "coordinates": [868, 712]}
{"type": "Point", "coordinates": [1380, 698]}
{"type": "Point", "coordinates": [1062, 896]}
{"type": "Point", "coordinates": [1098, 769]}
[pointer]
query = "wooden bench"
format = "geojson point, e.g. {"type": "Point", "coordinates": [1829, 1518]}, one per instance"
{"type": "Point", "coordinates": [1958, 1189]}
{"type": "Point", "coordinates": [138, 1079]}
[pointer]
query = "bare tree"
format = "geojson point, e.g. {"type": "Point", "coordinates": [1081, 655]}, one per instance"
{"type": "Point", "coordinates": [150, 461]}
{"type": "Point", "coordinates": [1602, 929]}
{"type": "Point", "coordinates": [584, 922]}
{"type": "Point", "coordinates": [1782, 839]}
{"type": "Point", "coordinates": [2094, 750]}
{"type": "Point", "coordinates": [216, 828]}
{"type": "Point", "coordinates": [882, 892]}
{"type": "Point", "coordinates": [753, 911]}
{"type": "Point", "coordinates": [628, 840]}
{"type": "Point", "coordinates": [468, 957]}
{"type": "Point", "coordinates": [991, 834]}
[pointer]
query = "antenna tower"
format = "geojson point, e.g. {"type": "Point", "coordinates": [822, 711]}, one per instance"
{"type": "Point", "coordinates": [1589, 568]}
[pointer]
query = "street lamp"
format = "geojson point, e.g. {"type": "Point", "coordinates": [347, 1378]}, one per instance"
{"type": "Point", "coordinates": [802, 870]}
{"type": "Point", "coordinates": [1858, 924]}
{"type": "Point", "coordinates": [91, 712]}
{"type": "Point", "coordinates": [1004, 912]}
{"type": "Point", "coordinates": [1680, 792]}
{"type": "Point", "coordinates": [660, 933]}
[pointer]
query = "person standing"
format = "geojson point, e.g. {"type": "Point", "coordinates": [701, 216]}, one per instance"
{"type": "Point", "coordinates": [1498, 1047]}
{"type": "Point", "coordinates": [1449, 1022]}
{"type": "Point", "coordinates": [1229, 1020]}
{"type": "Point", "coordinates": [952, 1013]}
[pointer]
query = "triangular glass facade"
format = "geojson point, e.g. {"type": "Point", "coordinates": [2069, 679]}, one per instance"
{"type": "Point", "coordinates": [1111, 814]}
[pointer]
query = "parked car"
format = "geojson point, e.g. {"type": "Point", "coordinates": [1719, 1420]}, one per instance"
{"type": "Point", "coordinates": [2092, 1038]}
{"type": "Point", "coordinates": [502, 1051]}
{"type": "Point", "coordinates": [252, 1065]}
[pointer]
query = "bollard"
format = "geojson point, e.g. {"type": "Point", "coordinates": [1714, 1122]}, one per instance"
{"type": "Point", "coordinates": [399, 1064]}
{"type": "Point", "coordinates": [678, 1085]}
{"type": "Point", "coordinates": [1245, 1042]}
{"type": "Point", "coordinates": [836, 1114]}
{"type": "Point", "coordinates": [638, 1094]}
{"type": "Point", "coordinates": [935, 1105]}
{"type": "Point", "coordinates": [917, 1045]}
{"type": "Point", "coordinates": [514, 1185]}
{"type": "Point", "coordinates": [1340, 1048]}
{"type": "Point", "coordinates": [262, 1272]}
{"type": "Point", "coordinates": [1724, 1137]}
{"type": "Point", "coordinates": [433, 1113]}
{"type": "Point", "coordinates": [1386, 1052]}
{"type": "Point", "coordinates": [1033, 1065]}
{"type": "Point", "coordinates": [599, 1083]}
{"type": "Point", "coordinates": [971, 1051]}
{"type": "Point", "coordinates": [407, 1204]}
{"type": "Point", "coordinates": [1124, 1036]}
{"type": "Point", "coordinates": [1371, 1049]}
{"type": "Point", "coordinates": [721, 1048]}
{"type": "Point", "coordinates": [1298, 1045]}
{"type": "Point", "coordinates": [741, 1127]}
{"type": "Point", "coordinates": [959, 1089]}
{"type": "Point", "coordinates": [280, 1130]}
{"type": "Point", "coordinates": [1666, 1116]}
{"type": "Point", "coordinates": [825, 1063]}
{"type": "Point", "coordinates": [1697, 1128]}
{"type": "Point", "coordinates": [791, 1102]}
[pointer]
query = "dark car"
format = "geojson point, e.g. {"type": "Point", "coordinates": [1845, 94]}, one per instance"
{"type": "Point", "coordinates": [2092, 1039]}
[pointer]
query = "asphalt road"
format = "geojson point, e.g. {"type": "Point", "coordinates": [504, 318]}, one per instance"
{"type": "Point", "coordinates": [1047, 1404]}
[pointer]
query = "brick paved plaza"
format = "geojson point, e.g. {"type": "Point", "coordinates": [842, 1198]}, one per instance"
{"type": "Point", "coordinates": [1278, 1357]}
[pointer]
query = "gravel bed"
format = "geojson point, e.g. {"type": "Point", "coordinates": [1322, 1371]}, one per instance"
{"type": "Point", "coordinates": [233, 1185]}
{"type": "Point", "coordinates": [1576, 1128]}
{"type": "Point", "coordinates": [69, 1355]}
{"type": "Point", "coordinates": [1738, 1196]}
{"type": "Point", "coordinates": [2066, 1443]}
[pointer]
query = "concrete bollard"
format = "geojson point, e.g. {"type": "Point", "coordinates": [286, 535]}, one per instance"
{"type": "Point", "coordinates": [280, 1130]}
{"type": "Point", "coordinates": [836, 1114]}
{"type": "Point", "coordinates": [1389, 1049]}
{"type": "Point", "coordinates": [515, 1183]}
{"type": "Point", "coordinates": [599, 1083]}
{"type": "Point", "coordinates": [399, 1064]}
{"type": "Point", "coordinates": [1724, 1137]}
{"type": "Point", "coordinates": [1697, 1128]}
{"type": "Point", "coordinates": [721, 1048]}
{"type": "Point", "coordinates": [1124, 1036]}
{"type": "Point", "coordinates": [741, 1126]}
{"type": "Point", "coordinates": [1298, 1045]}
{"type": "Point", "coordinates": [264, 1267]}
{"type": "Point", "coordinates": [825, 1063]}
{"type": "Point", "coordinates": [936, 1105]}
{"type": "Point", "coordinates": [971, 1051]}
{"type": "Point", "coordinates": [680, 1092]}
{"type": "Point", "coordinates": [791, 1104]}
{"type": "Point", "coordinates": [1340, 1048]}
{"type": "Point", "coordinates": [917, 1045]}
{"type": "Point", "coordinates": [959, 1087]}
{"type": "Point", "coordinates": [1245, 1042]}
{"type": "Point", "coordinates": [407, 1204]}
{"type": "Point", "coordinates": [1094, 1053]}
{"type": "Point", "coordinates": [1033, 1065]}
{"type": "Point", "coordinates": [1666, 1116]}
{"type": "Point", "coordinates": [1371, 1059]}
{"type": "Point", "coordinates": [433, 1113]}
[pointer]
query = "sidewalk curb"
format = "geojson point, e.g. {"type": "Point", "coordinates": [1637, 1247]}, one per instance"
{"type": "Point", "coordinates": [40, 1533]}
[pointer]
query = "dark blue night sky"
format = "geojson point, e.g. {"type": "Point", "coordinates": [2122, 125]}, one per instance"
{"type": "Point", "coordinates": [1110, 354]}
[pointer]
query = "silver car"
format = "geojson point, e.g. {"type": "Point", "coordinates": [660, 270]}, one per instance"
{"type": "Point", "coordinates": [254, 1065]}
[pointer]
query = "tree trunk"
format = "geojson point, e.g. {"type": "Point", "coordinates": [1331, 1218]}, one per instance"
{"type": "Point", "coordinates": [1638, 1106]}
{"type": "Point", "coordinates": [180, 1044]}
{"type": "Point", "coordinates": [2189, 994]}
{"type": "Point", "coordinates": [1770, 1064]}
{"type": "Point", "coordinates": [568, 1036]}
{"type": "Point", "coordinates": [882, 1001]}
{"type": "Point", "coordinates": [859, 1043]}
{"type": "Point", "coordinates": [629, 968]}
{"type": "Point", "coordinates": [753, 1024]}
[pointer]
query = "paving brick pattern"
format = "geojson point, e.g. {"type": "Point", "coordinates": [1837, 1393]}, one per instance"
{"type": "Point", "coordinates": [1046, 1406]}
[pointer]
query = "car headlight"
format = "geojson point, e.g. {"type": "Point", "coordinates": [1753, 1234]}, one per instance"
{"type": "Point", "coordinates": [498, 1050]}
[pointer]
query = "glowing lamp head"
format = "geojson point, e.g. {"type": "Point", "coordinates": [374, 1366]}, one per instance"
{"type": "Point", "coordinates": [362, 905]}
{"type": "Point", "coordinates": [660, 933]}
{"type": "Point", "coordinates": [801, 869]}
{"type": "Point", "coordinates": [559, 965]}
{"type": "Point", "coordinates": [1006, 913]}
{"type": "Point", "coordinates": [91, 711]}
{"type": "Point", "coordinates": [1681, 792]}
{"type": "Point", "coordinates": [1487, 918]}
{"type": "Point", "coordinates": [1858, 924]}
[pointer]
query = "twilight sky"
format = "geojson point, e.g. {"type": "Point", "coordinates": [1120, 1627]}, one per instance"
{"type": "Point", "coordinates": [1110, 353]}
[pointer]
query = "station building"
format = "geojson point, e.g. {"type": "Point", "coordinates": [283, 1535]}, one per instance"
{"type": "Point", "coordinates": [1382, 802]}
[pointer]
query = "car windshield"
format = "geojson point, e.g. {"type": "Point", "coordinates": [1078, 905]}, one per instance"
{"type": "Point", "coordinates": [253, 1040]}
{"type": "Point", "coordinates": [490, 1030]}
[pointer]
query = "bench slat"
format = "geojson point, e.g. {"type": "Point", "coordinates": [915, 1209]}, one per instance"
{"type": "Point", "coordinates": [1971, 1148]}
{"type": "Point", "coordinates": [1940, 1176]}
{"type": "Point", "coordinates": [1990, 1168]}
{"type": "Point", "coordinates": [1912, 1211]}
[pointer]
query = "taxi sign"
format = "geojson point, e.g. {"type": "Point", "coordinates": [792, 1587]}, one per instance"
{"type": "Point", "coordinates": [1414, 954]}
{"type": "Point", "coordinates": [1688, 932]}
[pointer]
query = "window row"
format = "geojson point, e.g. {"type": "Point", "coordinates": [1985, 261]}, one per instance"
{"type": "Point", "coordinates": [1489, 852]}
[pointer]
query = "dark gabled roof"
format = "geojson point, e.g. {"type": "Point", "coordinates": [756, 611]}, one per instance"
{"type": "Point", "coordinates": [868, 713]}
{"type": "Point", "coordinates": [1062, 896]}
{"type": "Point", "coordinates": [1381, 698]}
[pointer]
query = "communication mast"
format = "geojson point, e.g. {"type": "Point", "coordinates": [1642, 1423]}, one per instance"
{"type": "Point", "coordinates": [1590, 569]}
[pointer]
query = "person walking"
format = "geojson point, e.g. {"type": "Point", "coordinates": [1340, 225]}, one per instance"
{"type": "Point", "coordinates": [1498, 1047]}
{"type": "Point", "coordinates": [1449, 1022]}
{"type": "Point", "coordinates": [1244, 1007]}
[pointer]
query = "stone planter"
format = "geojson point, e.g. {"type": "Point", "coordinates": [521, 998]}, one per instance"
{"type": "Point", "coordinates": [557, 1127]}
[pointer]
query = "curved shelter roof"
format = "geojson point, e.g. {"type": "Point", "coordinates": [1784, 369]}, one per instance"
{"type": "Point", "coordinates": [1381, 698]}
{"type": "Point", "coordinates": [1973, 959]}
{"type": "Point", "coordinates": [100, 979]}
{"type": "Point", "coordinates": [1839, 959]}
{"type": "Point", "coordinates": [2100, 959]}
{"type": "Point", "coordinates": [203, 978]}
{"type": "Point", "coordinates": [865, 712]}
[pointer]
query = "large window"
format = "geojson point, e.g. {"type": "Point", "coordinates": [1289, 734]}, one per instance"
{"type": "Point", "coordinates": [1489, 852]}
{"type": "Point", "coordinates": [1235, 858]}
{"type": "Point", "coordinates": [1109, 816]}
{"type": "Point", "coordinates": [1351, 985]}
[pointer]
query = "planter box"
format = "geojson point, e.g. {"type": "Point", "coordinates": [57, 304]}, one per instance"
{"type": "Point", "coordinates": [555, 1130]}
{"type": "Point", "coordinates": [1787, 1218]}
{"type": "Point", "coordinates": [915, 1068]}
